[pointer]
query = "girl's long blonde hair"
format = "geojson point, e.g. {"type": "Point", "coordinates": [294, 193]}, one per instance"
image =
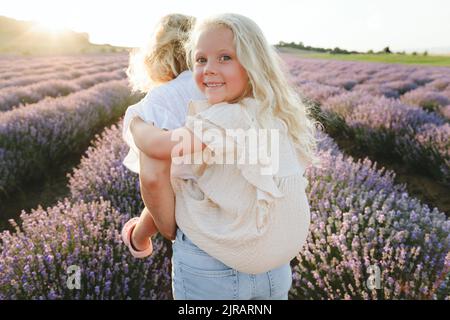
{"type": "Point", "coordinates": [268, 80]}
{"type": "Point", "coordinates": [164, 58]}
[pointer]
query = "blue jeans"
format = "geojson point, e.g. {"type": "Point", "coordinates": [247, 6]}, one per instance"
{"type": "Point", "coordinates": [198, 276]}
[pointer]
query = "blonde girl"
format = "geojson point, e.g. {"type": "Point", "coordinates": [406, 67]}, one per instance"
{"type": "Point", "coordinates": [238, 228]}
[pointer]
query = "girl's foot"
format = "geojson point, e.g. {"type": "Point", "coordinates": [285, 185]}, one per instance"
{"type": "Point", "coordinates": [127, 231]}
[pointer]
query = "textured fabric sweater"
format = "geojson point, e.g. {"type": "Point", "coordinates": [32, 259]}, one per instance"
{"type": "Point", "coordinates": [238, 213]}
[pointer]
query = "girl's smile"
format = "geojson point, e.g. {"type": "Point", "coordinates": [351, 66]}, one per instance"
{"type": "Point", "coordinates": [217, 71]}
{"type": "Point", "coordinates": [214, 84]}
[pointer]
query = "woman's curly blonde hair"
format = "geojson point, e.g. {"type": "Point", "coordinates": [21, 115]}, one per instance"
{"type": "Point", "coordinates": [164, 58]}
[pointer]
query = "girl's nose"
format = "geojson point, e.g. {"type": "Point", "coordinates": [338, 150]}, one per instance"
{"type": "Point", "coordinates": [209, 68]}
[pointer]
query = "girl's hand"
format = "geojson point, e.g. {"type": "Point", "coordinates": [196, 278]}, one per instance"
{"type": "Point", "coordinates": [148, 139]}
{"type": "Point", "coordinates": [153, 142]}
{"type": "Point", "coordinates": [185, 142]}
{"type": "Point", "coordinates": [161, 144]}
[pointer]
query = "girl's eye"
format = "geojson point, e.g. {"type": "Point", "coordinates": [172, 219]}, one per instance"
{"type": "Point", "coordinates": [201, 60]}
{"type": "Point", "coordinates": [225, 58]}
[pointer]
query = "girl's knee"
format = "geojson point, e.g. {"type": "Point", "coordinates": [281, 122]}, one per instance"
{"type": "Point", "coordinates": [153, 176]}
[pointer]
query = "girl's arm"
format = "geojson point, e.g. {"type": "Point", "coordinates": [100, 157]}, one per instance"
{"type": "Point", "coordinates": [161, 144]}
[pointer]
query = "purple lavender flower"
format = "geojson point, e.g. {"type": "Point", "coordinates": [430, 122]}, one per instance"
{"type": "Point", "coordinates": [335, 260]}
{"type": "Point", "coordinates": [427, 99]}
{"type": "Point", "coordinates": [45, 274]}
{"type": "Point", "coordinates": [39, 136]}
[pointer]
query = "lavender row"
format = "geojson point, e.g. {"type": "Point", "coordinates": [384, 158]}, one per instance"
{"type": "Point", "coordinates": [19, 68]}
{"type": "Point", "coordinates": [86, 235]}
{"type": "Point", "coordinates": [30, 78]}
{"type": "Point", "coordinates": [16, 66]}
{"type": "Point", "coordinates": [15, 96]}
{"type": "Point", "coordinates": [363, 223]}
{"type": "Point", "coordinates": [395, 78]}
{"type": "Point", "coordinates": [430, 100]}
{"type": "Point", "coordinates": [419, 138]}
{"type": "Point", "coordinates": [35, 70]}
{"type": "Point", "coordinates": [102, 174]}
{"type": "Point", "coordinates": [360, 218]}
{"type": "Point", "coordinates": [20, 63]}
{"type": "Point", "coordinates": [427, 87]}
{"type": "Point", "coordinates": [27, 79]}
{"type": "Point", "coordinates": [44, 61]}
{"type": "Point", "coordinates": [386, 126]}
{"type": "Point", "coordinates": [38, 137]}
{"type": "Point", "coordinates": [36, 260]}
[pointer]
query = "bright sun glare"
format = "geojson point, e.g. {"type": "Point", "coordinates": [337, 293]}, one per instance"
{"type": "Point", "coordinates": [49, 26]}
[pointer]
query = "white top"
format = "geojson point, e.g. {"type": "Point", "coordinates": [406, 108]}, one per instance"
{"type": "Point", "coordinates": [250, 221]}
{"type": "Point", "coordinates": [164, 106]}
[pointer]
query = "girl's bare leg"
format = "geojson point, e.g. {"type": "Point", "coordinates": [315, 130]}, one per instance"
{"type": "Point", "coordinates": [144, 229]}
{"type": "Point", "coordinates": [157, 194]}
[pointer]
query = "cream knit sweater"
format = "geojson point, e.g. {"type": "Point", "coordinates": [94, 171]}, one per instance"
{"type": "Point", "coordinates": [250, 221]}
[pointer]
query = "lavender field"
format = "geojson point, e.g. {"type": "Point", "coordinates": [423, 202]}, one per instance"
{"type": "Point", "coordinates": [54, 110]}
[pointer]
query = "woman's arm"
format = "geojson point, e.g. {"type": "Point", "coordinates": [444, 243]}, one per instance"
{"type": "Point", "coordinates": [161, 144]}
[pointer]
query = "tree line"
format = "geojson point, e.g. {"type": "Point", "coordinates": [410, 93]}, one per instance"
{"type": "Point", "coordinates": [338, 50]}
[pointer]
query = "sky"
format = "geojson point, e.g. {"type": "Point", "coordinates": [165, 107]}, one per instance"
{"type": "Point", "coordinates": [349, 24]}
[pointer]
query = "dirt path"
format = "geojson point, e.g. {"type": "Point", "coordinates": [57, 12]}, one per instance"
{"type": "Point", "coordinates": [45, 193]}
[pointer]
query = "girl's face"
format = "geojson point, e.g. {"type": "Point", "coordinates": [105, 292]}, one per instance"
{"type": "Point", "coordinates": [217, 71]}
